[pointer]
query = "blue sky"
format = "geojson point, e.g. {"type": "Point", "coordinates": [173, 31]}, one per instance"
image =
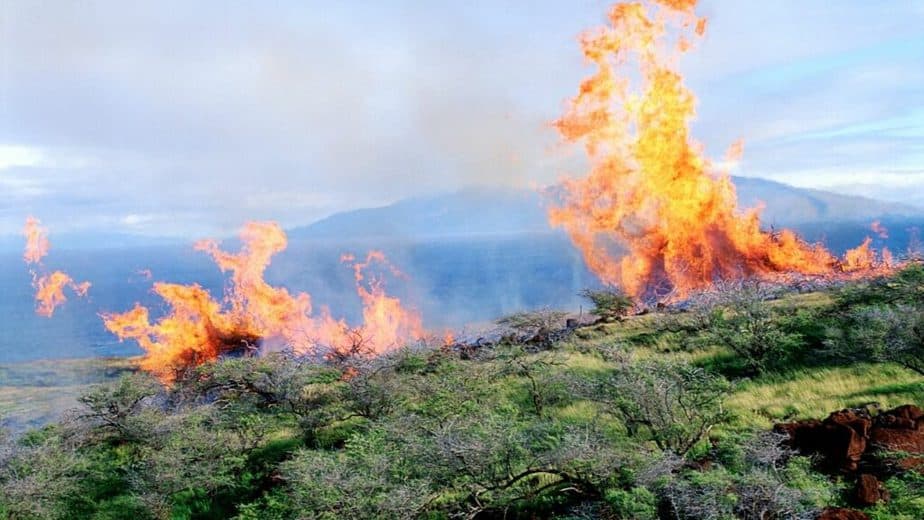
{"type": "Point", "coordinates": [188, 118]}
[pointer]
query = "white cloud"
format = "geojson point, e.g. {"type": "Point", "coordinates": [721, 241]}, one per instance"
{"type": "Point", "coordinates": [12, 156]}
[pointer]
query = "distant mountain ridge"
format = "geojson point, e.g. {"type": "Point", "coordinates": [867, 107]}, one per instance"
{"type": "Point", "coordinates": [509, 211]}
{"type": "Point", "coordinates": [482, 210]}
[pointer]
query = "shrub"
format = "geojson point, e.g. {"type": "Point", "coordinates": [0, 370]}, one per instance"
{"type": "Point", "coordinates": [673, 404]}
{"type": "Point", "coordinates": [120, 411]}
{"type": "Point", "coordinates": [637, 503]}
{"type": "Point", "coordinates": [882, 333]}
{"type": "Point", "coordinates": [609, 304]}
{"type": "Point", "coordinates": [747, 325]}
{"type": "Point", "coordinates": [540, 327]}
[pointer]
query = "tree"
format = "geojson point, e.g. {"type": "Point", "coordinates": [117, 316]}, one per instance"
{"type": "Point", "coordinates": [609, 304]}
{"type": "Point", "coordinates": [41, 477]}
{"type": "Point", "coordinates": [539, 328]}
{"type": "Point", "coordinates": [276, 383]}
{"type": "Point", "coordinates": [538, 371]}
{"type": "Point", "coordinates": [120, 411]}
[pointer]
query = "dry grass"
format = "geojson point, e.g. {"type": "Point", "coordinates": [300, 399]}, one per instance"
{"type": "Point", "coordinates": [36, 393]}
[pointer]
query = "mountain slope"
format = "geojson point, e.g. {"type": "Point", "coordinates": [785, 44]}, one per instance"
{"type": "Point", "coordinates": [507, 211]}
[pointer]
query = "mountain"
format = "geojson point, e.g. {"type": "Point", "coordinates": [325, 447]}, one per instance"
{"type": "Point", "coordinates": [791, 206]}
{"type": "Point", "coordinates": [469, 211]}
{"type": "Point", "coordinates": [477, 211]}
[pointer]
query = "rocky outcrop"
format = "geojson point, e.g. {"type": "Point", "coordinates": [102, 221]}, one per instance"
{"type": "Point", "coordinates": [849, 439]}
{"type": "Point", "coordinates": [900, 429]}
{"type": "Point", "coordinates": [859, 442]}
{"type": "Point", "coordinates": [841, 439]}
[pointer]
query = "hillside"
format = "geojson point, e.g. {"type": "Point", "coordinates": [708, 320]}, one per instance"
{"type": "Point", "coordinates": [663, 415]}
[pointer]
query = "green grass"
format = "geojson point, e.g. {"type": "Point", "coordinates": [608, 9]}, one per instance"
{"type": "Point", "coordinates": [815, 392]}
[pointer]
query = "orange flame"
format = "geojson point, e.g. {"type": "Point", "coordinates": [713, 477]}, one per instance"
{"type": "Point", "coordinates": [650, 191]}
{"type": "Point", "coordinates": [254, 313]}
{"type": "Point", "coordinates": [49, 288]}
{"type": "Point", "coordinates": [37, 244]}
{"type": "Point", "coordinates": [49, 291]}
{"type": "Point", "coordinates": [386, 324]}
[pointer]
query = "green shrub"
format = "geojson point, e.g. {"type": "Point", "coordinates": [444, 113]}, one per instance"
{"type": "Point", "coordinates": [609, 304]}
{"type": "Point", "coordinates": [637, 503]}
{"type": "Point", "coordinates": [747, 325]}
{"type": "Point", "coordinates": [673, 404]}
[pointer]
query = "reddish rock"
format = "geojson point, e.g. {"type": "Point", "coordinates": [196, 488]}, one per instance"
{"type": "Point", "coordinates": [908, 413]}
{"type": "Point", "coordinates": [840, 513]}
{"type": "Point", "coordinates": [870, 491]}
{"type": "Point", "coordinates": [841, 438]}
{"type": "Point", "coordinates": [845, 437]}
{"type": "Point", "coordinates": [901, 429]}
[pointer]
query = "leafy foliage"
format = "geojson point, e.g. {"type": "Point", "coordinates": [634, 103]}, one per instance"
{"type": "Point", "coordinates": [609, 304]}
{"type": "Point", "coordinates": [746, 324]}
{"type": "Point", "coordinates": [675, 405]}
{"type": "Point", "coordinates": [883, 321]}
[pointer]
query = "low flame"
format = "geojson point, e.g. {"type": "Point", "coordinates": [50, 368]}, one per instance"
{"type": "Point", "coordinates": [254, 313]}
{"type": "Point", "coordinates": [650, 191]}
{"type": "Point", "coordinates": [49, 287]}
{"type": "Point", "coordinates": [37, 244]}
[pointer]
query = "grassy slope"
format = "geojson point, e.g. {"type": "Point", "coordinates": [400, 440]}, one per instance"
{"type": "Point", "coordinates": [800, 393]}
{"type": "Point", "coordinates": [38, 392]}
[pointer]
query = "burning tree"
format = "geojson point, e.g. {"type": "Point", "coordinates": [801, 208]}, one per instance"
{"type": "Point", "coordinates": [650, 189]}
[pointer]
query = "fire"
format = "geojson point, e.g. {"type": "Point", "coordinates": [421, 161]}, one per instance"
{"type": "Point", "coordinates": [386, 323]}
{"type": "Point", "coordinates": [860, 257]}
{"type": "Point", "coordinates": [37, 244]}
{"type": "Point", "coordinates": [255, 314]}
{"type": "Point", "coordinates": [49, 288]}
{"type": "Point", "coordinates": [49, 291]}
{"type": "Point", "coordinates": [653, 216]}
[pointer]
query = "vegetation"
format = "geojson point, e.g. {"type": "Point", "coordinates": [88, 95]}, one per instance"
{"type": "Point", "coordinates": [663, 415]}
{"type": "Point", "coordinates": [609, 304]}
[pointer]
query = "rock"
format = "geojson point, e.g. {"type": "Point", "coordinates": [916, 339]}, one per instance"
{"type": "Point", "coordinates": [870, 491]}
{"type": "Point", "coordinates": [901, 429]}
{"type": "Point", "coordinates": [849, 437]}
{"type": "Point", "coordinates": [840, 513]}
{"type": "Point", "coordinates": [841, 438]}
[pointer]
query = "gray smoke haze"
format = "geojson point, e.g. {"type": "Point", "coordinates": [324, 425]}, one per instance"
{"type": "Point", "coordinates": [188, 118]}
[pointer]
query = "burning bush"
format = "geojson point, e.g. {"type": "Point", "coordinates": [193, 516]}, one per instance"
{"type": "Point", "coordinates": [609, 304]}
{"type": "Point", "coordinates": [253, 313]}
